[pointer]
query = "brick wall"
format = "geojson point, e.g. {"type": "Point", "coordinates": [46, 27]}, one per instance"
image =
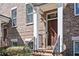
{"type": "Point", "coordinates": [70, 27]}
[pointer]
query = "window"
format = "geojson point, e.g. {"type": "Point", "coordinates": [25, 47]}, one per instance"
{"type": "Point", "coordinates": [76, 9]}
{"type": "Point", "coordinates": [14, 15]}
{"type": "Point", "coordinates": [14, 42]}
{"type": "Point", "coordinates": [75, 45]}
{"type": "Point", "coordinates": [52, 15]}
{"type": "Point", "coordinates": [29, 13]}
{"type": "Point", "coordinates": [76, 48]}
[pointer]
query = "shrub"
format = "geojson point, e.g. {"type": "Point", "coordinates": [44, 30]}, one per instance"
{"type": "Point", "coordinates": [27, 50]}
{"type": "Point", "coordinates": [18, 51]}
{"type": "Point", "coordinates": [3, 51]}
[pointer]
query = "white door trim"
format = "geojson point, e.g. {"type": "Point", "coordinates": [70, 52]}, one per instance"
{"type": "Point", "coordinates": [47, 25]}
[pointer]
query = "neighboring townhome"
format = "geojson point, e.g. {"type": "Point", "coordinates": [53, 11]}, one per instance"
{"type": "Point", "coordinates": [49, 28]}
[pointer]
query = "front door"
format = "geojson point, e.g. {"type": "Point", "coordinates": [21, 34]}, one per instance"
{"type": "Point", "coordinates": [52, 31]}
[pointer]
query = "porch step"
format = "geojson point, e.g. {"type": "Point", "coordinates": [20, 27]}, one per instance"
{"type": "Point", "coordinates": [42, 52]}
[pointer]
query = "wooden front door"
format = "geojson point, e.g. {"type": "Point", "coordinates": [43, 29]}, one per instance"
{"type": "Point", "coordinates": [52, 31]}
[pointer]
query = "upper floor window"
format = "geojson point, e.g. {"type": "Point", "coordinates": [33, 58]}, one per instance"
{"type": "Point", "coordinates": [29, 11]}
{"type": "Point", "coordinates": [76, 9]}
{"type": "Point", "coordinates": [14, 16]}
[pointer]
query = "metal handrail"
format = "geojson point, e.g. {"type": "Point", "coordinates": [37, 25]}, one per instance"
{"type": "Point", "coordinates": [58, 38]}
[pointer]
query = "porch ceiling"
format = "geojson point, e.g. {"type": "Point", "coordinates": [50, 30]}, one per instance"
{"type": "Point", "coordinates": [50, 6]}
{"type": "Point", "coordinates": [4, 19]}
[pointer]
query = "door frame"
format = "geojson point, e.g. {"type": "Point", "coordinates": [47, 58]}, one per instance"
{"type": "Point", "coordinates": [47, 25]}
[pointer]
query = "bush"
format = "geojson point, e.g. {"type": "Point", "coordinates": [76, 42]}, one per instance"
{"type": "Point", "coordinates": [3, 51]}
{"type": "Point", "coordinates": [27, 50]}
{"type": "Point", "coordinates": [18, 51]}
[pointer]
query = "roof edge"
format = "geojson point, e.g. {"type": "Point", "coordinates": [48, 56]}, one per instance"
{"type": "Point", "coordinates": [5, 16]}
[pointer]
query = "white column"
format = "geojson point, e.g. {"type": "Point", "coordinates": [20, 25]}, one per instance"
{"type": "Point", "coordinates": [35, 19]}
{"type": "Point", "coordinates": [60, 24]}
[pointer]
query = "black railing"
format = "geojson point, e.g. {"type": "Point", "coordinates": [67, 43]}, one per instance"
{"type": "Point", "coordinates": [56, 48]}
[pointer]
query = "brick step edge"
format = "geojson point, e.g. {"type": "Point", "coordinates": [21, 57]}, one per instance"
{"type": "Point", "coordinates": [42, 54]}
{"type": "Point", "coordinates": [44, 51]}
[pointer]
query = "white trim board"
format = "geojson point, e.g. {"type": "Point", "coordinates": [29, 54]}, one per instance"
{"type": "Point", "coordinates": [60, 24]}
{"type": "Point", "coordinates": [14, 40]}
{"type": "Point", "coordinates": [75, 38]}
{"type": "Point", "coordinates": [13, 8]}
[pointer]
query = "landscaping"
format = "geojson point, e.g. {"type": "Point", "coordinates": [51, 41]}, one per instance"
{"type": "Point", "coordinates": [16, 51]}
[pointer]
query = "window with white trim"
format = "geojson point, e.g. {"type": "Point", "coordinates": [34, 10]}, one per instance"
{"type": "Point", "coordinates": [76, 48]}
{"type": "Point", "coordinates": [14, 42]}
{"type": "Point", "coordinates": [76, 9]}
{"type": "Point", "coordinates": [29, 13]}
{"type": "Point", "coordinates": [14, 17]}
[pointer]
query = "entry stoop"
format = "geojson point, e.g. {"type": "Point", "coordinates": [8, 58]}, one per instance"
{"type": "Point", "coordinates": [42, 52]}
{"type": "Point", "coordinates": [45, 52]}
